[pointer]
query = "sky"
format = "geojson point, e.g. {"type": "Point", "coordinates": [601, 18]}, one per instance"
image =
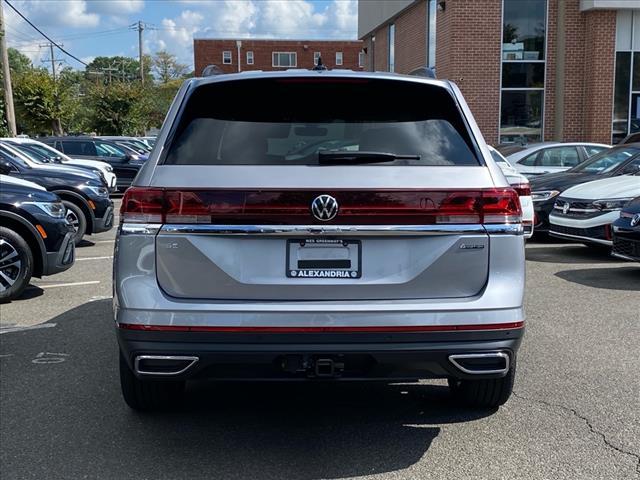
{"type": "Point", "coordinates": [91, 28]}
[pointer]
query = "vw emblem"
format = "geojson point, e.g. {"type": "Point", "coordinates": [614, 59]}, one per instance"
{"type": "Point", "coordinates": [324, 207]}
{"type": "Point", "coordinates": [635, 220]}
{"type": "Point", "coordinates": [566, 208]}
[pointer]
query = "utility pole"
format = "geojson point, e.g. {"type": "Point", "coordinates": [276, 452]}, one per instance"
{"type": "Point", "coordinates": [6, 75]}
{"type": "Point", "coordinates": [140, 60]}
{"type": "Point", "coordinates": [53, 60]}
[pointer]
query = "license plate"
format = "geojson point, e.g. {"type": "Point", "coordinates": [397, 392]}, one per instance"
{"type": "Point", "coordinates": [324, 258]}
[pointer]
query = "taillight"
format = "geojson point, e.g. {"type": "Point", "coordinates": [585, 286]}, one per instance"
{"type": "Point", "coordinates": [522, 189]}
{"type": "Point", "coordinates": [291, 207]}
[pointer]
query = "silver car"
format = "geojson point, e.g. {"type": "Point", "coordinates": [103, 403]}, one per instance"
{"type": "Point", "coordinates": [314, 225]}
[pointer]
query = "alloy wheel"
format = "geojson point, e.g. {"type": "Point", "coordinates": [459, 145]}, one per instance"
{"type": "Point", "coordinates": [73, 219]}
{"type": "Point", "coordinates": [10, 265]}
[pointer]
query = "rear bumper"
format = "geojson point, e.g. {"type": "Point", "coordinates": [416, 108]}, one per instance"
{"type": "Point", "coordinates": [61, 260]}
{"type": "Point", "coordinates": [320, 356]}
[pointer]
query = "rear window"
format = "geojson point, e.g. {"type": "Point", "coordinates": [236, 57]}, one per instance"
{"type": "Point", "coordinates": [288, 121]}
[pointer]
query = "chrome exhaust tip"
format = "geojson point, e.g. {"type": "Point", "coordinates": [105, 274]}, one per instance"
{"type": "Point", "coordinates": [494, 363]}
{"type": "Point", "coordinates": [163, 365]}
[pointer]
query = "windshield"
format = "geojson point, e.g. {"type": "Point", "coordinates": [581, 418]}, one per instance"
{"type": "Point", "coordinates": [607, 161]}
{"type": "Point", "coordinates": [497, 157]}
{"type": "Point", "coordinates": [8, 155]}
{"type": "Point", "coordinates": [33, 154]}
{"type": "Point", "coordinates": [49, 152]}
{"type": "Point", "coordinates": [407, 119]}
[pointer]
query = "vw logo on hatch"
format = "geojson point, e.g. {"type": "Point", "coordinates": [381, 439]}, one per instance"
{"type": "Point", "coordinates": [635, 220]}
{"type": "Point", "coordinates": [566, 207]}
{"type": "Point", "coordinates": [324, 207]}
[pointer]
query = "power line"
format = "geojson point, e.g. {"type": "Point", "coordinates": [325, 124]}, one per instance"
{"type": "Point", "coordinates": [43, 34]}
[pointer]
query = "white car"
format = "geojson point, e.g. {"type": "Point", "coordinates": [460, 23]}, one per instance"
{"type": "Point", "coordinates": [35, 149]}
{"type": "Point", "coordinates": [584, 213]}
{"type": "Point", "coordinates": [549, 157]}
{"type": "Point", "coordinates": [521, 184]}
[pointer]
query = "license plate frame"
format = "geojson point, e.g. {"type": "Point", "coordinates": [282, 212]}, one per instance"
{"type": "Point", "coordinates": [332, 270]}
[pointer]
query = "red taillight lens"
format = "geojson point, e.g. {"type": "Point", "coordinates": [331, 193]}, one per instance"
{"type": "Point", "coordinates": [522, 189]}
{"type": "Point", "coordinates": [142, 205]}
{"type": "Point", "coordinates": [289, 207]}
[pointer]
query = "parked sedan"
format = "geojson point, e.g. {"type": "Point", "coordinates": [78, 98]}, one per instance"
{"type": "Point", "coordinates": [584, 213]}
{"type": "Point", "coordinates": [626, 232]}
{"type": "Point", "coordinates": [521, 185]}
{"type": "Point", "coordinates": [35, 238]}
{"type": "Point", "coordinates": [549, 157]}
{"type": "Point", "coordinates": [619, 160]}
{"type": "Point", "coordinates": [50, 154]}
{"type": "Point", "coordinates": [85, 197]}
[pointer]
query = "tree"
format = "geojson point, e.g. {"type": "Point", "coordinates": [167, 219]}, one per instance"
{"type": "Point", "coordinates": [18, 62]}
{"type": "Point", "coordinates": [115, 110]}
{"type": "Point", "coordinates": [42, 105]}
{"type": "Point", "coordinates": [117, 68]}
{"type": "Point", "coordinates": [166, 66]}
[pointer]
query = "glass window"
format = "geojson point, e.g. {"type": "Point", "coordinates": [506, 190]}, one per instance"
{"type": "Point", "coordinates": [108, 150]}
{"type": "Point", "coordinates": [524, 29]}
{"type": "Point", "coordinates": [522, 75]}
{"type": "Point", "coordinates": [249, 57]}
{"type": "Point", "coordinates": [621, 96]}
{"type": "Point", "coordinates": [78, 148]}
{"type": "Point", "coordinates": [338, 58]}
{"type": "Point", "coordinates": [417, 119]}
{"type": "Point", "coordinates": [593, 150]}
{"type": "Point", "coordinates": [392, 48]}
{"type": "Point", "coordinates": [361, 59]}
{"type": "Point", "coordinates": [559, 157]}
{"type": "Point", "coordinates": [631, 168]}
{"type": "Point", "coordinates": [521, 115]}
{"type": "Point", "coordinates": [316, 56]}
{"type": "Point", "coordinates": [529, 161]}
{"type": "Point", "coordinates": [606, 161]}
{"type": "Point", "coordinates": [226, 57]}
{"type": "Point", "coordinates": [285, 59]}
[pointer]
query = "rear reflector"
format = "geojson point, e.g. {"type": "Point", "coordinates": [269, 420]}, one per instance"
{"type": "Point", "coordinates": [370, 329]}
{"type": "Point", "coordinates": [291, 207]}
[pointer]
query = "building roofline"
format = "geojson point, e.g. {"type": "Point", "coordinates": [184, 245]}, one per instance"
{"type": "Point", "coordinates": [283, 40]}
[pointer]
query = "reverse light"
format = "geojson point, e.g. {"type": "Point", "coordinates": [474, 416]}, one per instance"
{"type": "Point", "coordinates": [290, 207]}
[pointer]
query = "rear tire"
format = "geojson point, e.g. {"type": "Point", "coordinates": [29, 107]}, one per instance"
{"type": "Point", "coordinates": [148, 395]}
{"type": "Point", "coordinates": [76, 217]}
{"type": "Point", "coordinates": [16, 265]}
{"type": "Point", "coordinates": [484, 393]}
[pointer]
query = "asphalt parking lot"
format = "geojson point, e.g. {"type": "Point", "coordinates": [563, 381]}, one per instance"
{"type": "Point", "coordinates": [575, 413]}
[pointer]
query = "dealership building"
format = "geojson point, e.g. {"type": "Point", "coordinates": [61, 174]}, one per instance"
{"type": "Point", "coordinates": [530, 70]}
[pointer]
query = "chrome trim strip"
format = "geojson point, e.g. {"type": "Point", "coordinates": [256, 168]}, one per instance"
{"type": "Point", "coordinates": [139, 228]}
{"type": "Point", "coordinates": [623, 257]}
{"type": "Point", "coordinates": [360, 230]}
{"type": "Point", "coordinates": [454, 360]}
{"type": "Point", "coordinates": [579, 237]}
{"type": "Point", "coordinates": [136, 363]}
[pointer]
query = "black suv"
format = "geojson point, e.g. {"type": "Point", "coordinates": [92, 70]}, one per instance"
{"type": "Point", "coordinates": [86, 199]}
{"type": "Point", "coordinates": [35, 237]}
{"type": "Point", "coordinates": [125, 162]}
{"type": "Point", "coordinates": [626, 232]}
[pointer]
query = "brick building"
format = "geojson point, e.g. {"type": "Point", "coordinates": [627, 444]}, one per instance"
{"type": "Point", "coordinates": [530, 69]}
{"type": "Point", "coordinates": [275, 54]}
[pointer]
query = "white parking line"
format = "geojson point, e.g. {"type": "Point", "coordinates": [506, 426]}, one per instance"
{"type": "Point", "coordinates": [72, 284]}
{"type": "Point", "coordinates": [78, 259]}
{"type": "Point", "coordinates": [32, 327]}
{"type": "Point", "coordinates": [103, 241]}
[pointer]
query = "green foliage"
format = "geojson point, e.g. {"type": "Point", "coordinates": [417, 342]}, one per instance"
{"type": "Point", "coordinates": [18, 62]}
{"type": "Point", "coordinates": [167, 68]}
{"type": "Point", "coordinates": [114, 111]}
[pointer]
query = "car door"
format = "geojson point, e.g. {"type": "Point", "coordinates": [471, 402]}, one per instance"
{"type": "Point", "coordinates": [557, 159]}
{"type": "Point", "coordinates": [527, 165]}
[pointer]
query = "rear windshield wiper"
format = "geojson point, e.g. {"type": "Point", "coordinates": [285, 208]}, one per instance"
{"type": "Point", "coordinates": [341, 157]}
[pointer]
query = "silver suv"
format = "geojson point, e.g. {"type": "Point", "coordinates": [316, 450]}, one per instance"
{"type": "Point", "coordinates": [313, 225]}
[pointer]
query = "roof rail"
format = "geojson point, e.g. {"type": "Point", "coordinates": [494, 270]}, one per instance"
{"type": "Point", "coordinates": [428, 72]}
{"type": "Point", "coordinates": [211, 70]}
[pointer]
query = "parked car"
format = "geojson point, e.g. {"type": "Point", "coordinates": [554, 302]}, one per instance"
{"type": "Point", "coordinates": [125, 163]}
{"type": "Point", "coordinates": [51, 155]}
{"type": "Point", "coordinates": [521, 185]}
{"type": "Point", "coordinates": [626, 232]}
{"type": "Point", "coordinates": [619, 160]}
{"type": "Point", "coordinates": [584, 213]}
{"type": "Point", "coordinates": [549, 157]}
{"type": "Point", "coordinates": [399, 255]}
{"type": "Point", "coordinates": [131, 142]}
{"type": "Point", "coordinates": [88, 207]}
{"type": "Point", "coordinates": [35, 238]}
{"type": "Point", "coordinates": [631, 138]}
{"type": "Point", "coordinates": [149, 141]}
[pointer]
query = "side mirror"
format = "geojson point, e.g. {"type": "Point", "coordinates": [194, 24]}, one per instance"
{"type": "Point", "coordinates": [5, 167]}
{"type": "Point", "coordinates": [57, 159]}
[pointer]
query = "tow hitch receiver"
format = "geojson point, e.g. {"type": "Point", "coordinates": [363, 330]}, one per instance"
{"type": "Point", "coordinates": [326, 367]}
{"type": "Point", "coordinates": [312, 366]}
